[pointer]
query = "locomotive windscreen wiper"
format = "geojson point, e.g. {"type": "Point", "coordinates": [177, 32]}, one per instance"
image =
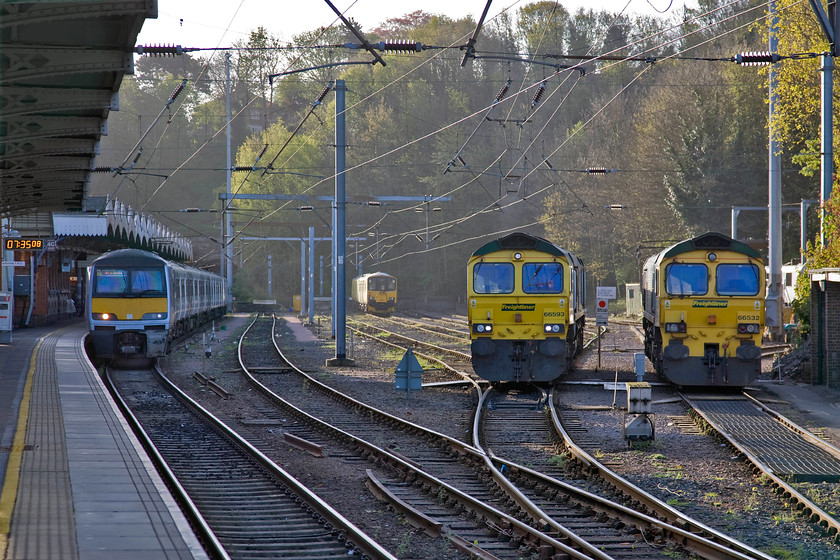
{"type": "Point", "coordinates": [536, 272]}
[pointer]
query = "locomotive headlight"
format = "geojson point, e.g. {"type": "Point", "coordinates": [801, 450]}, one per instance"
{"type": "Point", "coordinates": [483, 328]}
{"type": "Point", "coordinates": [748, 328]}
{"type": "Point", "coordinates": [104, 316]}
{"type": "Point", "coordinates": [153, 316]}
{"type": "Point", "coordinates": [517, 256]}
{"type": "Point", "coordinates": [675, 327]}
{"type": "Point", "coordinates": [553, 328]}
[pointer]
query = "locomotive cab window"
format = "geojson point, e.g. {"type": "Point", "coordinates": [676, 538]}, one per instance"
{"type": "Point", "coordinates": [737, 279]}
{"type": "Point", "coordinates": [542, 278]}
{"type": "Point", "coordinates": [493, 278]}
{"type": "Point", "coordinates": [686, 279]}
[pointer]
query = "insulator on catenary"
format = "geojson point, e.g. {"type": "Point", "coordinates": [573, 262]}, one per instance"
{"type": "Point", "coordinates": [399, 46]}
{"type": "Point", "coordinates": [502, 92]}
{"type": "Point", "coordinates": [596, 170]}
{"type": "Point", "coordinates": [177, 91]}
{"type": "Point", "coordinates": [758, 58]}
{"type": "Point", "coordinates": [159, 50]}
{"type": "Point", "coordinates": [538, 94]}
{"type": "Point", "coordinates": [323, 93]}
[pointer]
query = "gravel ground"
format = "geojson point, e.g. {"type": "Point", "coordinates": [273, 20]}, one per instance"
{"type": "Point", "coordinates": [690, 470]}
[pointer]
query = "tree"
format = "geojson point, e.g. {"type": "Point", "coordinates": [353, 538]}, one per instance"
{"type": "Point", "coordinates": [819, 256]}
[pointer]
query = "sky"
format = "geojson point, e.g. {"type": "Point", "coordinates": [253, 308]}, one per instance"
{"type": "Point", "coordinates": [218, 23]}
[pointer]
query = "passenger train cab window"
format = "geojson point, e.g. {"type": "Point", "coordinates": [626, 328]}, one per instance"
{"type": "Point", "coordinates": [382, 284]}
{"type": "Point", "coordinates": [147, 282]}
{"type": "Point", "coordinates": [542, 278]}
{"type": "Point", "coordinates": [686, 279]}
{"type": "Point", "coordinates": [128, 282]}
{"type": "Point", "coordinates": [493, 278]}
{"type": "Point", "coordinates": [109, 281]}
{"type": "Point", "coordinates": [736, 279]}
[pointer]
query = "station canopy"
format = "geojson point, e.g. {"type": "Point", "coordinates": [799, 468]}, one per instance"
{"type": "Point", "coordinates": [61, 65]}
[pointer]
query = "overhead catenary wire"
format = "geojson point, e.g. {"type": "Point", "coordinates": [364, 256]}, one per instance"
{"type": "Point", "coordinates": [364, 163]}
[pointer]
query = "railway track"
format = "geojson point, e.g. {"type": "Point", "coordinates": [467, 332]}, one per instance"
{"type": "Point", "coordinates": [551, 473]}
{"type": "Point", "coordinates": [245, 505]}
{"type": "Point", "coordinates": [437, 481]}
{"type": "Point", "coordinates": [790, 456]}
{"type": "Point", "coordinates": [619, 531]}
{"type": "Point", "coordinates": [435, 326]}
{"type": "Point", "coordinates": [445, 372]}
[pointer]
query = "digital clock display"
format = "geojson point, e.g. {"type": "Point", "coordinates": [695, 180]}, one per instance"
{"type": "Point", "coordinates": [24, 244]}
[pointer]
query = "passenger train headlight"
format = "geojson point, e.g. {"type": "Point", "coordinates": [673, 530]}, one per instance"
{"type": "Point", "coordinates": [748, 328]}
{"type": "Point", "coordinates": [152, 316]}
{"type": "Point", "coordinates": [555, 328]}
{"type": "Point", "coordinates": [104, 316]}
{"type": "Point", "coordinates": [483, 328]}
{"type": "Point", "coordinates": [675, 327]}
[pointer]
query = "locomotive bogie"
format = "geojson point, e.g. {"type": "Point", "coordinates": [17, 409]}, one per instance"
{"type": "Point", "coordinates": [526, 309]}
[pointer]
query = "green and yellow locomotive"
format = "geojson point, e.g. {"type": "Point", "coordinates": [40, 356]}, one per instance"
{"type": "Point", "coordinates": [526, 309]}
{"type": "Point", "coordinates": [703, 308]}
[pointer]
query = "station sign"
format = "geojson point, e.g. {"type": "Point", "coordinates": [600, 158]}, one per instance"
{"type": "Point", "coordinates": [14, 263]}
{"type": "Point", "coordinates": [605, 292]}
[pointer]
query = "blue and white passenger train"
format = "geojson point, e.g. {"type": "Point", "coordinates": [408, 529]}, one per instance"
{"type": "Point", "coordinates": [137, 302]}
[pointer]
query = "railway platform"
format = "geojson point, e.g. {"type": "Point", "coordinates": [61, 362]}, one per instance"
{"type": "Point", "coordinates": [818, 403]}
{"type": "Point", "coordinates": [77, 485]}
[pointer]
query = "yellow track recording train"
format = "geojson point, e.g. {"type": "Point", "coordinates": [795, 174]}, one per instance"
{"type": "Point", "coordinates": [526, 309]}
{"type": "Point", "coordinates": [138, 302]}
{"type": "Point", "coordinates": [375, 293]}
{"type": "Point", "coordinates": [703, 311]}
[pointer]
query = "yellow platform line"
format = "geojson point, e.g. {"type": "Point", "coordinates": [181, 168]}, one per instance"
{"type": "Point", "coordinates": [10, 486]}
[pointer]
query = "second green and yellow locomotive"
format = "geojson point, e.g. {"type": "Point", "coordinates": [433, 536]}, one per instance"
{"type": "Point", "coordinates": [703, 309]}
{"type": "Point", "coordinates": [526, 309]}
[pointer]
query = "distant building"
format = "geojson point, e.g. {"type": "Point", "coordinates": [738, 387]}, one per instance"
{"type": "Point", "coordinates": [633, 294]}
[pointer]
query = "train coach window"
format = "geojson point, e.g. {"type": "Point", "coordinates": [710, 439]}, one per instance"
{"type": "Point", "coordinates": [109, 281]}
{"type": "Point", "coordinates": [493, 278]}
{"type": "Point", "coordinates": [542, 278]}
{"type": "Point", "coordinates": [686, 279]}
{"type": "Point", "coordinates": [737, 279]}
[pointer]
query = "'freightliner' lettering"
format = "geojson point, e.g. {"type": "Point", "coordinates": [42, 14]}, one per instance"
{"type": "Point", "coordinates": [710, 303]}
{"type": "Point", "coordinates": [518, 306]}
